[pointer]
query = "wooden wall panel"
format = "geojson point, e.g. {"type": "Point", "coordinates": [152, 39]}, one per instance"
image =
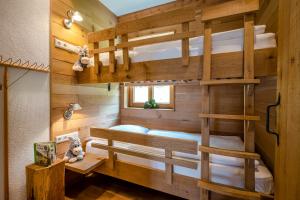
{"type": "Point", "coordinates": [265, 94]}
{"type": "Point", "coordinates": [268, 15]}
{"type": "Point", "coordinates": [225, 99]}
{"type": "Point", "coordinates": [100, 107]}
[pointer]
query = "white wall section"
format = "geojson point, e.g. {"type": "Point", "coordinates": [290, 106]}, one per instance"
{"type": "Point", "coordinates": [24, 34]}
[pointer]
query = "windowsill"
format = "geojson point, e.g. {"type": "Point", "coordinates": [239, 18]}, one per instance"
{"type": "Point", "coordinates": [157, 109]}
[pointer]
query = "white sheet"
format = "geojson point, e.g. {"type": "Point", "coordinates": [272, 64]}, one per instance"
{"type": "Point", "coordinates": [223, 142]}
{"type": "Point", "coordinates": [224, 42]}
{"type": "Point", "coordinates": [222, 174]}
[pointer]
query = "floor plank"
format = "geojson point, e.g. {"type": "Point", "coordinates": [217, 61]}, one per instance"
{"type": "Point", "coordinates": [100, 187]}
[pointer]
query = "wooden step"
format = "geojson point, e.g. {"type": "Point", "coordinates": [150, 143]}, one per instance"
{"type": "Point", "coordinates": [230, 117]}
{"type": "Point", "coordinates": [229, 191]}
{"type": "Point", "coordinates": [87, 165]}
{"type": "Point", "coordinates": [231, 153]}
{"type": "Point", "coordinates": [230, 82]}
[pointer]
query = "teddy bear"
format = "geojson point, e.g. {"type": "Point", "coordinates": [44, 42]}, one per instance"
{"type": "Point", "coordinates": [75, 151]}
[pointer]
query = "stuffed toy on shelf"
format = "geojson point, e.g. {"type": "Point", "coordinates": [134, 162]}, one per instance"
{"type": "Point", "coordinates": [75, 151]}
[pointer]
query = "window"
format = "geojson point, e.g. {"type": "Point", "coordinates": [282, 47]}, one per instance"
{"type": "Point", "coordinates": [162, 94]}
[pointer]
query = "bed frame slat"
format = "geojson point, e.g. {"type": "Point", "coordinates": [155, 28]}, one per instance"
{"type": "Point", "coordinates": [181, 145]}
{"type": "Point", "coordinates": [161, 158]}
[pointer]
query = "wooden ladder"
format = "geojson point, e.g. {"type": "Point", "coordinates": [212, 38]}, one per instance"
{"type": "Point", "coordinates": [248, 81]}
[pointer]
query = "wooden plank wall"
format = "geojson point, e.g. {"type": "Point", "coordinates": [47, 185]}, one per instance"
{"type": "Point", "coordinates": [225, 99]}
{"type": "Point", "coordinates": [100, 107]}
{"type": "Point", "coordinates": [265, 93]}
{"type": "Point", "coordinates": [268, 15]}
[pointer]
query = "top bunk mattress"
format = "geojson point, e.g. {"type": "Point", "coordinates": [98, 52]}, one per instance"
{"type": "Point", "coordinates": [223, 42]}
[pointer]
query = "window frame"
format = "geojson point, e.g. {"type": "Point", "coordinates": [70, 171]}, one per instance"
{"type": "Point", "coordinates": [132, 104]}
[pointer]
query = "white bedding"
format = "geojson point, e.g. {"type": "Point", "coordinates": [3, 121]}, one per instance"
{"type": "Point", "coordinates": [222, 174]}
{"type": "Point", "coordinates": [224, 42]}
{"type": "Point", "coordinates": [223, 142]}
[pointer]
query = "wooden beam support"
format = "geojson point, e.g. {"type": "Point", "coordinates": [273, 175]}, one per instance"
{"type": "Point", "coordinates": [96, 59]}
{"type": "Point", "coordinates": [230, 153]}
{"type": "Point", "coordinates": [126, 59]}
{"type": "Point", "coordinates": [185, 146]}
{"type": "Point", "coordinates": [102, 35]}
{"type": "Point", "coordinates": [185, 46]}
{"type": "Point", "coordinates": [151, 156]}
{"type": "Point", "coordinates": [170, 18]}
{"type": "Point", "coordinates": [249, 126]}
{"type": "Point", "coordinates": [230, 117]}
{"type": "Point", "coordinates": [111, 157]}
{"type": "Point", "coordinates": [265, 65]}
{"type": "Point", "coordinates": [207, 52]}
{"type": "Point", "coordinates": [229, 191]}
{"type": "Point", "coordinates": [230, 8]}
{"type": "Point", "coordinates": [230, 82]}
{"type": "Point", "coordinates": [112, 58]}
{"type": "Point", "coordinates": [169, 167]}
{"type": "Point", "coordinates": [103, 50]}
{"type": "Point", "coordinates": [167, 38]}
{"type": "Point", "coordinates": [205, 104]}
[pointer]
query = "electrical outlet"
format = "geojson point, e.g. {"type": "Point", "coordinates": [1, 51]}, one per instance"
{"type": "Point", "coordinates": [63, 138]}
{"type": "Point", "coordinates": [66, 46]}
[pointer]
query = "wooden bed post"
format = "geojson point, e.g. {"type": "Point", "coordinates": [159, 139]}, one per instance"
{"type": "Point", "coordinates": [111, 156]}
{"type": "Point", "coordinates": [96, 58]}
{"type": "Point", "coordinates": [169, 167]}
{"type": "Point", "coordinates": [249, 126]}
{"type": "Point", "coordinates": [112, 58]}
{"type": "Point", "coordinates": [126, 59]}
{"type": "Point", "coordinates": [185, 45]}
{"type": "Point", "coordinates": [205, 106]}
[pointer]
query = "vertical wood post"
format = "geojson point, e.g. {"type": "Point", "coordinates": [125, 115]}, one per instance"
{"type": "Point", "coordinates": [169, 167]}
{"type": "Point", "coordinates": [111, 157]}
{"type": "Point", "coordinates": [112, 57]}
{"type": "Point", "coordinates": [96, 59]}
{"type": "Point", "coordinates": [249, 126]}
{"type": "Point", "coordinates": [205, 175]}
{"type": "Point", "coordinates": [185, 46]}
{"type": "Point", "coordinates": [126, 60]}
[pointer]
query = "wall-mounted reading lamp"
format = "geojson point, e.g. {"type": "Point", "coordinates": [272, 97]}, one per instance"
{"type": "Point", "coordinates": [72, 16]}
{"type": "Point", "coordinates": [71, 108]}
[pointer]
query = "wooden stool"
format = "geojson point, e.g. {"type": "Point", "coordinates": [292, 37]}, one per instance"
{"type": "Point", "coordinates": [46, 183]}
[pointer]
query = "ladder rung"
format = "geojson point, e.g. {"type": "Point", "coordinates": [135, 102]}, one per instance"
{"type": "Point", "coordinates": [230, 81]}
{"type": "Point", "coordinates": [231, 153]}
{"type": "Point", "coordinates": [229, 191]}
{"type": "Point", "coordinates": [231, 117]}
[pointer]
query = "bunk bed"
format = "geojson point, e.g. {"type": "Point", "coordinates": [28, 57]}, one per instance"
{"type": "Point", "coordinates": [235, 57]}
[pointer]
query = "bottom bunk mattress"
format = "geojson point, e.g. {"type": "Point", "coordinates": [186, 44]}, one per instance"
{"type": "Point", "coordinates": [223, 174]}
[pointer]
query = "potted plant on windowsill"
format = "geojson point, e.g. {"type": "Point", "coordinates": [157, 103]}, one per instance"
{"type": "Point", "coordinates": [151, 104]}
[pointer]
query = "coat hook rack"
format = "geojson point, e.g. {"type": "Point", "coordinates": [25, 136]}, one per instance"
{"type": "Point", "coordinates": [10, 62]}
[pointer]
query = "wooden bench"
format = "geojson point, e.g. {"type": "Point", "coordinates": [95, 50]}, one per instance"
{"type": "Point", "coordinates": [87, 165]}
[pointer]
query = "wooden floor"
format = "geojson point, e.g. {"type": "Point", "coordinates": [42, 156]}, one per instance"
{"type": "Point", "coordinates": [99, 187]}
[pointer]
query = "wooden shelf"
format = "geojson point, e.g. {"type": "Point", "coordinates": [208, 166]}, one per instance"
{"type": "Point", "coordinates": [230, 117]}
{"type": "Point", "coordinates": [85, 166]}
{"type": "Point", "coordinates": [230, 82]}
{"type": "Point", "coordinates": [231, 153]}
{"type": "Point", "coordinates": [229, 191]}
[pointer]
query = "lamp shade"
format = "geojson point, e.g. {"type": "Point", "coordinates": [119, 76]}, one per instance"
{"type": "Point", "coordinates": [77, 16]}
{"type": "Point", "coordinates": [75, 106]}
